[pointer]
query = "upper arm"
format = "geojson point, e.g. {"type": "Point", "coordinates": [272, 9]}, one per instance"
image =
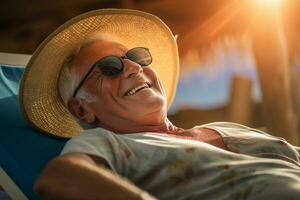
{"type": "Point", "coordinates": [80, 176]}
{"type": "Point", "coordinates": [57, 166]}
{"type": "Point", "coordinates": [89, 158]}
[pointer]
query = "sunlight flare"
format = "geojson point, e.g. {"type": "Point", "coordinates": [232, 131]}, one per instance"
{"type": "Point", "coordinates": [269, 4]}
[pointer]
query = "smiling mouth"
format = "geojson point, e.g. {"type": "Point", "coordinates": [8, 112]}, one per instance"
{"type": "Point", "coordinates": [137, 88]}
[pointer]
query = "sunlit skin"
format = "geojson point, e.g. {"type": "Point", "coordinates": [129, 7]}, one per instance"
{"type": "Point", "coordinates": [144, 111]}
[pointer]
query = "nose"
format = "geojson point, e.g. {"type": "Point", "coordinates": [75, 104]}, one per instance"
{"type": "Point", "coordinates": [131, 68]}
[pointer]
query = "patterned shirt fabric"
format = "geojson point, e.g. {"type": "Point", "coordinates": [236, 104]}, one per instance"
{"type": "Point", "coordinates": [257, 165]}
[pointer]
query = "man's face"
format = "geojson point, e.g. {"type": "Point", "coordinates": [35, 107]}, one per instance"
{"type": "Point", "coordinates": [113, 108]}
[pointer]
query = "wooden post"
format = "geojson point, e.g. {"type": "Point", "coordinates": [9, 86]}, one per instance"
{"type": "Point", "coordinates": [295, 82]}
{"type": "Point", "coordinates": [291, 26]}
{"type": "Point", "coordinates": [271, 54]}
{"type": "Point", "coordinates": [241, 105]}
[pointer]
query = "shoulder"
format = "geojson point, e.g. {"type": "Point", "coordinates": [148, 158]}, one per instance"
{"type": "Point", "coordinates": [91, 136]}
{"type": "Point", "coordinates": [89, 141]}
{"type": "Point", "coordinates": [94, 132]}
{"type": "Point", "coordinates": [233, 128]}
{"type": "Point", "coordinates": [222, 124]}
{"type": "Point", "coordinates": [91, 145]}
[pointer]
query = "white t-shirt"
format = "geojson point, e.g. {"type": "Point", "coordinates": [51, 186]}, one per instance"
{"type": "Point", "coordinates": [258, 165]}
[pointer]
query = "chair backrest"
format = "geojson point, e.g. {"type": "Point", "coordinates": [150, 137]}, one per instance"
{"type": "Point", "coordinates": [23, 151]}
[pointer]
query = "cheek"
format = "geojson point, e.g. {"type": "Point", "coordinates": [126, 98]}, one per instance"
{"type": "Point", "coordinates": [108, 87]}
{"type": "Point", "coordinates": [153, 76]}
{"type": "Point", "coordinates": [161, 88]}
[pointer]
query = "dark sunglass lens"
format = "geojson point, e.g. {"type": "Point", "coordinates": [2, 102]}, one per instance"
{"type": "Point", "coordinates": [110, 65]}
{"type": "Point", "coordinates": [140, 55]}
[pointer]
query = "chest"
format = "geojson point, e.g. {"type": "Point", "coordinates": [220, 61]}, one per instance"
{"type": "Point", "coordinates": [206, 135]}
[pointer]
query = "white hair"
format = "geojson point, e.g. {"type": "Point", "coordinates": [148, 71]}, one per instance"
{"type": "Point", "coordinates": [69, 79]}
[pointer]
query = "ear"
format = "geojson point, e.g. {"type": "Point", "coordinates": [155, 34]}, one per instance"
{"type": "Point", "coordinates": [80, 109]}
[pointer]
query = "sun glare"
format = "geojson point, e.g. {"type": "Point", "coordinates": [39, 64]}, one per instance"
{"type": "Point", "coordinates": [269, 3]}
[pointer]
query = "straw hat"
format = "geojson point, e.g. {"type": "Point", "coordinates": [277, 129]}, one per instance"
{"type": "Point", "coordinates": [40, 101]}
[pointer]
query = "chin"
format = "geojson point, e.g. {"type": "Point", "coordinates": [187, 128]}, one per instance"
{"type": "Point", "coordinates": [153, 116]}
{"type": "Point", "coordinates": [156, 107]}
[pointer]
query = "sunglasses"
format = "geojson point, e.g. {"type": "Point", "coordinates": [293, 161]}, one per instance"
{"type": "Point", "coordinates": [113, 65]}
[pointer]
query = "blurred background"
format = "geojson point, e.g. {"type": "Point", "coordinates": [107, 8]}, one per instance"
{"type": "Point", "coordinates": [239, 59]}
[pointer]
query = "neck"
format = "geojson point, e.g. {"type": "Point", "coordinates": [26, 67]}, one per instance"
{"type": "Point", "coordinates": [164, 127]}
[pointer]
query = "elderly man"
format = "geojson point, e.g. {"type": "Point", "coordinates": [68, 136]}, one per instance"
{"type": "Point", "coordinates": [114, 88]}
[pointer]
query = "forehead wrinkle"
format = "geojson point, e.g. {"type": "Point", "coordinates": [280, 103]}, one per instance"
{"type": "Point", "coordinates": [105, 47]}
{"type": "Point", "coordinates": [90, 54]}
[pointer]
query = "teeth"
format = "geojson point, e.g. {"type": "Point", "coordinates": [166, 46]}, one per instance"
{"type": "Point", "coordinates": [132, 91]}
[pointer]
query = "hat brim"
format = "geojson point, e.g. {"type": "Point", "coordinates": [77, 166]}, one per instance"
{"type": "Point", "coordinates": [40, 102]}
